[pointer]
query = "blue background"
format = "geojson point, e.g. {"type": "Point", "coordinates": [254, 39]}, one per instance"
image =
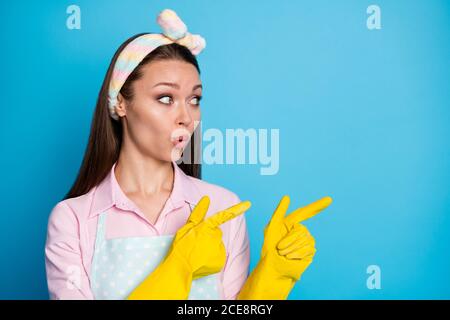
{"type": "Point", "coordinates": [363, 116]}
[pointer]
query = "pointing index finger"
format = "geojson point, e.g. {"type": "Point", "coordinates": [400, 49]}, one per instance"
{"type": "Point", "coordinates": [303, 213]}
{"type": "Point", "coordinates": [228, 214]}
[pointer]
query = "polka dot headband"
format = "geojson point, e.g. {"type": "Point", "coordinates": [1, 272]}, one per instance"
{"type": "Point", "coordinates": [174, 31]}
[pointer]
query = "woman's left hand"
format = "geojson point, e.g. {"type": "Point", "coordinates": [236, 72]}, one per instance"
{"type": "Point", "coordinates": [288, 245]}
{"type": "Point", "coordinates": [287, 251]}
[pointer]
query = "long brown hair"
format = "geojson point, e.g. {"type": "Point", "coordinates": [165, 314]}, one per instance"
{"type": "Point", "coordinates": [105, 138]}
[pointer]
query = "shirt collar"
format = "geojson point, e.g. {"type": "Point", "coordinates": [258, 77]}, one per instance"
{"type": "Point", "coordinates": [108, 193]}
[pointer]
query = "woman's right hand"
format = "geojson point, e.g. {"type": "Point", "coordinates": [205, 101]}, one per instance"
{"type": "Point", "coordinates": [199, 242]}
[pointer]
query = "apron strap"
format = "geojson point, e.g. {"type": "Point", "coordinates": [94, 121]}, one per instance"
{"type": "Point", "coordinates": [100, 237]}
{"type": "Point", "coordinates": [99, 240]}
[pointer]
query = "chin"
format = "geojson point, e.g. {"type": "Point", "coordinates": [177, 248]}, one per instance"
{"type": "Point", "coordinates": [175, 154]}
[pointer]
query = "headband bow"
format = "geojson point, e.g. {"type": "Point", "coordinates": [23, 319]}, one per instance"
{"type": "Point", "coordinates": [174, 31]}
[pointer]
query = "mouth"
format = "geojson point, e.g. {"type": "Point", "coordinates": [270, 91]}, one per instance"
{"type": "Point", "coordinates": [180, 141]}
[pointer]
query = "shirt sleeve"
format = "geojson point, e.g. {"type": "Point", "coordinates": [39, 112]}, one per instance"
{"type": "Point", "coordinates": [66, 276]}
{"type": "Point", "coordinates": [236, 269]}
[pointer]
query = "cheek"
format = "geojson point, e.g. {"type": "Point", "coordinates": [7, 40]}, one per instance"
{"type": "Point", "coordinates": [196, 118]}
{"type": "Point", "coordinates": [197, 114]}
{"type": "Point", "coordinates": [149, 123]}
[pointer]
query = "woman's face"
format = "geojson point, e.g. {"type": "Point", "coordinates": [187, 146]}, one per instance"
{"type": "Point", "coordinates": [165, 109]}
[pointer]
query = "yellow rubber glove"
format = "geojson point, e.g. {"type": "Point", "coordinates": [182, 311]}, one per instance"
{"type": "Point", "coordinates": [196, 251]}
{"type": "Point", "coordinates": [287, 251]}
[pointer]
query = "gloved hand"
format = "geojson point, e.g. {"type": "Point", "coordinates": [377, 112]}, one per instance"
{"type": "Point", "coordinates": [197, 250]}
{"type": "Point", "coordinates": [287, 251]}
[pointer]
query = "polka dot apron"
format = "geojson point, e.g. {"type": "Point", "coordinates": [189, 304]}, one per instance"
{"type": "Point", "coordinates": [120, 264]}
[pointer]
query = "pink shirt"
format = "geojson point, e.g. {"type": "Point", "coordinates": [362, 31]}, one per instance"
{"type": "Point", "coordinates": [72, 229]}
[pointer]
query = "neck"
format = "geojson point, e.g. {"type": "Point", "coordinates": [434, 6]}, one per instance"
{"type": "Point", "coordinates": [147, 176]}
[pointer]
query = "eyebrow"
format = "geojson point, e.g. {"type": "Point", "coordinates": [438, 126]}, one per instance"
{"type": "Point", "coordinates": [176, 86]}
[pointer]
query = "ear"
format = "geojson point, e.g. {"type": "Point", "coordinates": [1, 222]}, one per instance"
{"type": "Point", "coordinates": [121, 106]}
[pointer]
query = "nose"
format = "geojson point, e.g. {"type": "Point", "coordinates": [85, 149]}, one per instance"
{"type": "Point", "coordinates": [184, 115]}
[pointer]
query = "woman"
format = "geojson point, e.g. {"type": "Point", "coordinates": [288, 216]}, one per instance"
{"type": "Point", "coordinates": [136, 224]}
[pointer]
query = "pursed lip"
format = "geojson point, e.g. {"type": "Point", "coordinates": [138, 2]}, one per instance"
{"type": "Point", "coordinates": [180, 141]}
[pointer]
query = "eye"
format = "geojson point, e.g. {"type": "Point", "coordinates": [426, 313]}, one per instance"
{"type": "Point", "coordinates": [197, 100]}
{"type": "Point", "coordinates": [165, 99]}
